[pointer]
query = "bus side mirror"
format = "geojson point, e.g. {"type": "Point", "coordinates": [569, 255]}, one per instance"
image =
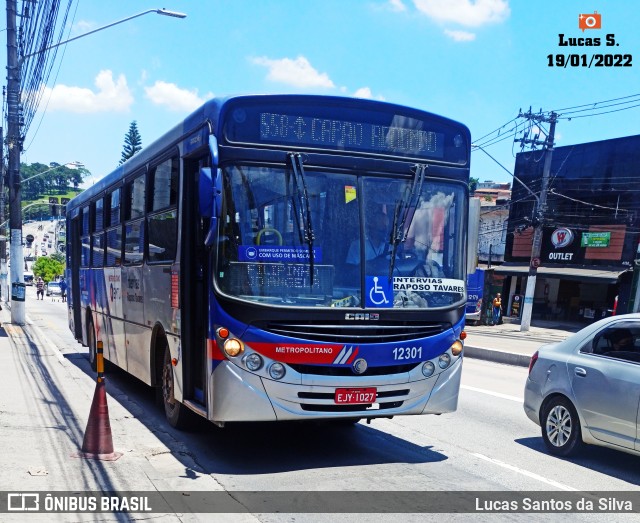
{"type": "Point", "coordinates": [210, 193]}
{"type": "Point", "coordinates": [473, 237]}
{"type": "Point", "coordinates": [205, 191]}
{"type": "Point", "coordinates": [210, 189]}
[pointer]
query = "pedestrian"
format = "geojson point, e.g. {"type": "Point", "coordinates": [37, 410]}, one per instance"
{"type": "Point", "coordinates": [497, 309]}
{"type": "Point", "coordinates": [40, 288]}
{"type": "Point", "coordinates": [63, 288]}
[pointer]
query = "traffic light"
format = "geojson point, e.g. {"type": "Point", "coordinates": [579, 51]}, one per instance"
{"type": "Point", "coordinates": [53, 202]}
{"type": "Point", "coordinates": [63, 206]}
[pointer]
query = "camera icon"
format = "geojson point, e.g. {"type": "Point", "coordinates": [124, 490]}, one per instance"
{"type": "Point", "coordinates": [590, 21]}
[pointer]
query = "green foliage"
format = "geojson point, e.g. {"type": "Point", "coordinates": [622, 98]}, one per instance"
{"type": "Point", "coordinates": [132, 143]}
{"type": "Point", "coordinates": [48, 268]}
{"type": "Point", "coordinates": [50, 180]}
{"type": "Point", "coordinates": [59, 257]}
{"type": "Point", "coordinates": [473, 184]}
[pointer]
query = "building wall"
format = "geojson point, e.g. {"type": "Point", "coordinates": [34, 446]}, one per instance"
{"type": "Point", "coordinates": [493, 233]}
{"type": "Point", "coordinates": [593, 187]}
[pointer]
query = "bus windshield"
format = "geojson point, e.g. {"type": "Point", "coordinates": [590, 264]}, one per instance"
{"type": "Point", "coordinates": [376, 241]}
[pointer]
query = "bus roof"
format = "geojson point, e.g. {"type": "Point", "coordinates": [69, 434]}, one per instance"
{"type": "Point", "coordinates": [214, 112]}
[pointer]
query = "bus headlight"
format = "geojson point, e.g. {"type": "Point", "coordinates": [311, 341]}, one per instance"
{"type": "Point", "coordinates": [456, 348]}
{"type": "Point", "coordinates": [253, 361]}
{"type": "Point", "coordinates": [233, 347]}
{"type": "Point", "coordinates": [444, 360]}
{"type": "Point", "coordinates": [277, 370]}
{"type": "Point", "coordinates": [428, 368]}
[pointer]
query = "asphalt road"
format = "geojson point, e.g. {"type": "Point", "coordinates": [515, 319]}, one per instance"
{"type": "Point", "coordinates": [488, 444]}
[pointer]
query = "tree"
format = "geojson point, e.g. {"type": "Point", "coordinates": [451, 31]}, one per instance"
{"type": "Point", "coordinates": [55, 181]}
{"type": "Point", "coordinates": [48, 268]}
{"type": "Point", "coordinates": [473, 184]}
{"type": "Point", "coordinates": [132, 143]}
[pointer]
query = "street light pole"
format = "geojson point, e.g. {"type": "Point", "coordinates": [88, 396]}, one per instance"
{"type": "Point", "coordinates": [14, 144]}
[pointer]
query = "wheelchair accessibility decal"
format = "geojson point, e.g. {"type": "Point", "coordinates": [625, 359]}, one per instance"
{"type": "Point", "coordinates": [380, 291]}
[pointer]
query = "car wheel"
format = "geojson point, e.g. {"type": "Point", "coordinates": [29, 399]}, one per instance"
{"type": "Point", "coordinates": [561, 427]}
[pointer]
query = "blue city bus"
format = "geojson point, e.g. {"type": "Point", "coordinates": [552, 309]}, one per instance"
{"type": "Point", "coordinates": [475, 296]}
{"type": "Point", "coordinates": [281, 257]}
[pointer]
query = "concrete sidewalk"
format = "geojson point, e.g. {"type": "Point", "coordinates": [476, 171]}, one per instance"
{"type": "Point", "coordinates": [506, 344]}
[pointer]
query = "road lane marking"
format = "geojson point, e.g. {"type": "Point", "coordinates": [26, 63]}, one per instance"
{"type": "Point", "coordinates": [496, 394]}
{"type": "Point", "coordinates": [525, 472]}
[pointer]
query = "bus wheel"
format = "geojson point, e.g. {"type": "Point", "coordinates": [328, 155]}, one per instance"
{"type": "Point", "coordinates": [91, 341]}
{"type": "Point", "coordinates": [177, 414]}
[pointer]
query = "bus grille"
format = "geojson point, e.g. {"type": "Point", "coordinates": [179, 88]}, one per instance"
{"type": "Point", "coordinates": [334, 370]}
{"type": "Point", "coordinates": [330, 407]}
{"type": "Point", "coordinates": [349, 408]}
{"type": "Point", "coordinates": [330, 395]}
{"type": "Point", "coordinates": [350, 333]}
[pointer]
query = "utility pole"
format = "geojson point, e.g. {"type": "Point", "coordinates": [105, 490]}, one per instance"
{"type": "Point", "coordinates": [14, 146]}
{"type": "Point", "coordinates": [4, 293]}
{"type": "Point", "coordinates": [538, 220]}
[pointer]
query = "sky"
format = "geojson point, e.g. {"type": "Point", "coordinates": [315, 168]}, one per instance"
{"type": "Point", "coordinates": [479, 62]}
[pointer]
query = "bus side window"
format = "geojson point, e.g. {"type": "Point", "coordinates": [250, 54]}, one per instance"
{"type": "Point", "coordinates": [163, 226]}
{"type": "Point", "coordinates": [134, 242]}
{"type": "Point", "coordinates": [114, 247]}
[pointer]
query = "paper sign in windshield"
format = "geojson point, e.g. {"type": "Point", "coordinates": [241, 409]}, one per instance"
{"type": "Point", "coordinates": [278, 253]}
{"type": "Point", "coordinates": [428, 285]}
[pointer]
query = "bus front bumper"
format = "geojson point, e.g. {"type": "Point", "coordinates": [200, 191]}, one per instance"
{"type": "Point", "coordinates": [239, 395]}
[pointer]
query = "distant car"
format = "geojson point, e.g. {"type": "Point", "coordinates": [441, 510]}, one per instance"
{"type": "Point", "coordinates": [586, 389]}
{"type": "Point", "coordinates": [28, 278]}
{"type": "Point", "coordinates": [53, 289]}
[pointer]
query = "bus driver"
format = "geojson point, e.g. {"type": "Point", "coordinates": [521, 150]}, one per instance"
{"type": "Point", "coordinates": [376, 242]}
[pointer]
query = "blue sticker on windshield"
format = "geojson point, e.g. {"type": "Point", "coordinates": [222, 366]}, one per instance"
{"type": "Point", "coordinates": [378, 292]}
{"type": "Point", "coordinates": [278, 253]}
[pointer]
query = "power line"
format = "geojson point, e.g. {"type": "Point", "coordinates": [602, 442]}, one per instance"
{"type": "Point", "coordinates": [596, 103]}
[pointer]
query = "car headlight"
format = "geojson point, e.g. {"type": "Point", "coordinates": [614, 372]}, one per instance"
{"type": "Point", "coordinates": [456, 347]}
{"type": "Point", "coordinates": [428, 368]}
{"type": "Point", "coordinates": [233, 347]}
{"type": "Point", "coordinates": [444, 360]}
{"type": "Point", "coordinates": [277, 370]}
{"type": "Point", "coordinates": [253, 361]}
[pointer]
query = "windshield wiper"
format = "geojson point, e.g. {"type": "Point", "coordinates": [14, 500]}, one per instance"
{"type": "Point", "coordinates": [402, 216]}
{"type": "Point", "coordinates": [305, 210]}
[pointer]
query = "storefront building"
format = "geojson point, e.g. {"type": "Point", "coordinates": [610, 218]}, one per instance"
{"type": "Point", "coordinates": [590, 230]}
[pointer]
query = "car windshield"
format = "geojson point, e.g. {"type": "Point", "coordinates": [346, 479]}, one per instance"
{"type": "Point", "coordinates": [54, 285]}
{"type": "Point", "coordinates": [371, 241]}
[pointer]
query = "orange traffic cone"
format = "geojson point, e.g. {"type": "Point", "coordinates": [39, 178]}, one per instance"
{"type": "Point", "coordinates": [98, 443]}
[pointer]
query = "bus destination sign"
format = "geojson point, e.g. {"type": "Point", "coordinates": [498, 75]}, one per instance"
{"type": "Point", "coordinates": [405, 137]}
{"type": "Point", "coordinates": [349, 126]}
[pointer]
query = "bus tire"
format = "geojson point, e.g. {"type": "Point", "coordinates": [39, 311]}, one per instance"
{"type": "Point", "coordinates": [176, 413]}
{"type": "Point", "coordinates": [91, 342]}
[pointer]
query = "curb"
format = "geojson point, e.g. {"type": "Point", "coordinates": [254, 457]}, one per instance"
{"type": "Point", "coordinates": [497, 356]}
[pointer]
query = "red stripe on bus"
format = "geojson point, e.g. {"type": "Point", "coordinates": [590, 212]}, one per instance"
{"type": "Point", "coordinates": [316, 353]}
{"type": "Point", "coordinates": [214, 352]}
{"type": "Point", "coordinates": [352, 357]}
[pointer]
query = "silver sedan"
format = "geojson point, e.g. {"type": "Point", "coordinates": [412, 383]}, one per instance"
{"type": "Point", "coordinates": [586, 389]}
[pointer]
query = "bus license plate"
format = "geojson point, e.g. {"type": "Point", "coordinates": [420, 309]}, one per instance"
{"type": "Point", "coordinates": [350, 396]}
